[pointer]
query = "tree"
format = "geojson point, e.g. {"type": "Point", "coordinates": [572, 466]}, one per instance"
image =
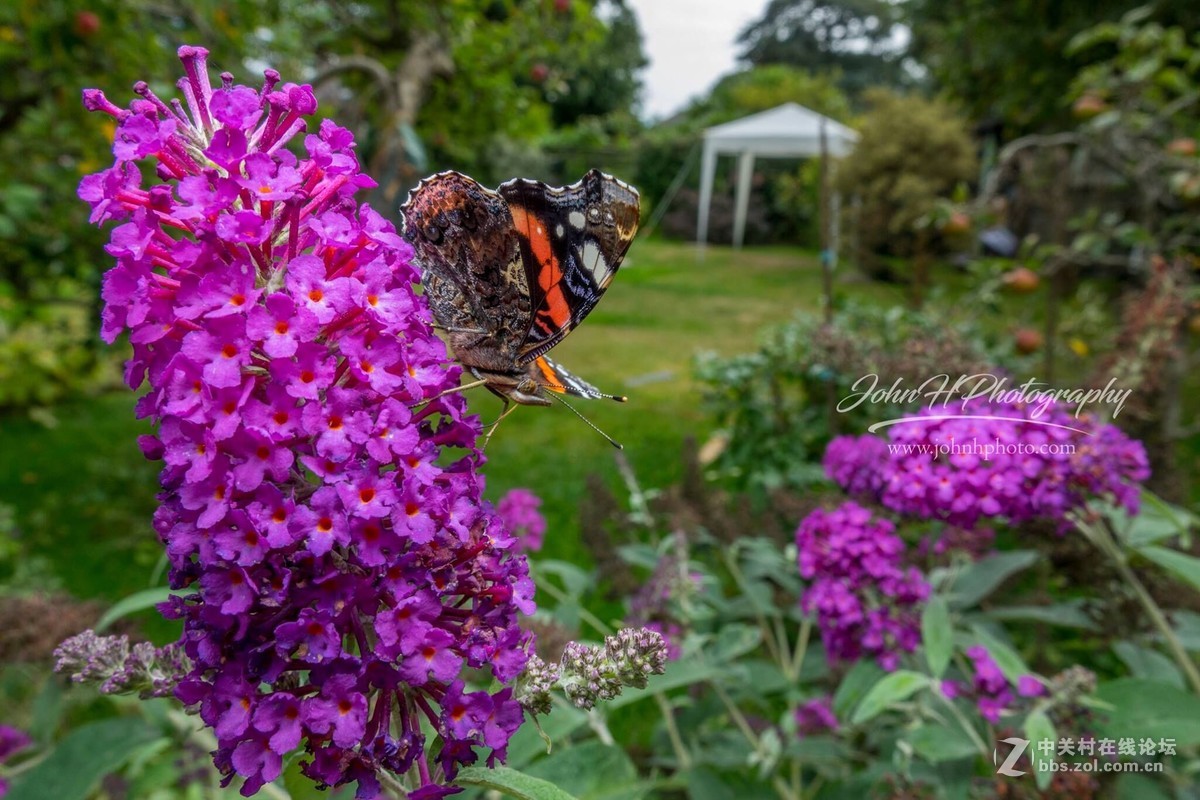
{"type": "Point", "coordinates": [856, 38]}
{"type": "Point", "coordinates": [1006, 61]}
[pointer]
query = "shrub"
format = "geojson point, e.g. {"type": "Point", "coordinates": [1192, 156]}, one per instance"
{"type": "Point", "coordinates": [912, 151]}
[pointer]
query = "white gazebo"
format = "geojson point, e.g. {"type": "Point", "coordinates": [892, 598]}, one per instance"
{"type": "Point", "coordinates": [786, 131]}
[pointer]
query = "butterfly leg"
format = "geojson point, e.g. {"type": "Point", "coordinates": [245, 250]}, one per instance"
{"type": "Point", "coordinates": [509, 407]}
{"type": "Point", "coordinates": [455, 390]}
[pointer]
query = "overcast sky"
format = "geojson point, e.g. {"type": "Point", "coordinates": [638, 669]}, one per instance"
{"type": "Point", "coordinates": [690, 45]}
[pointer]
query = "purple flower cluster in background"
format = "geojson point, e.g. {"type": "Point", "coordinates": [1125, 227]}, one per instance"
{"type": "Point", "coordinates": [345, 572]}
{"type": "Point", "coordinates": [815, 716]}
{"type": "Point", "coordinates": [867, 603]}
{"type": "Point", "coordinates": [991, 690]}
{"type": "Point", "coordinates": [1037, 467]}
{"type": "Point", "coordinates": [12, 741]}
{"type": "Point", "coordinates": [518, 508]}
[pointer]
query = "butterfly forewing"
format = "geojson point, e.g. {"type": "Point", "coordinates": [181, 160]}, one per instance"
{"type": "Point", "coordinates": [572, 241]}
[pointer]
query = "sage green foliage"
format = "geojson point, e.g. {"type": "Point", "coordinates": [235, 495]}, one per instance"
{"type": "Point", "coordinates": [912, 151]}
{"type": "Point", "coordinates": [720, 722]}
{"type": "Point", "coordinates": [778, 406]}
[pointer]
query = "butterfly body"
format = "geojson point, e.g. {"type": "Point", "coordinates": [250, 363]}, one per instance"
{"type": "Point", "coordinates": [509, 273]}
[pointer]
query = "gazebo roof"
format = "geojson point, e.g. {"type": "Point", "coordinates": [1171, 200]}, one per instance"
{"type": "Point", "coordinates": [786, 130]}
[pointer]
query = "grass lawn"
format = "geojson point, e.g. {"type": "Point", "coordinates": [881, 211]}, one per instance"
{"type": "Point", "coordinates": [84, 495]}
{"type": "Point", "coordinates": [662, 309]}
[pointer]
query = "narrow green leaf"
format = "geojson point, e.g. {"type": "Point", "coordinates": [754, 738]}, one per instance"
{"type": "Point", "coordinates": [705, 784]}
{"type": "Point", "coordinates": [861, 677]}
{"type": "Point", "coordinates": [1149, 664]}
{"type": "Point", "coordinates": [1148, 709]}
{"type": "Point", "coordinates": [510, 782]}
{"type": "Point", "coordinates": [1039, 728]}
{"type": "Point", "coordinates": [138, 601]}
{"type": "Point", "coordinates": [1132, 786]}
{"type": "Point", "coordinates": [985, 575]}
{"type": "Point", "coordinates": [82, 759]}
{"type": "Point", "coordinates": [1068, 615]}
{"type": "Point", "coordinates": [938, 743]}
{"type": "Point", "coordinates": [937, 634]}
{"type": "Point", "coordinates": [677, 675]}
{"type": "Point", "coordinates": [893, 688]}
{"type": "Point", "coordinates": [1180, 565]}
{"type": "Point", "coordinates": [528, 744]}
{"type": "Point", "coordinates": [735, 639]}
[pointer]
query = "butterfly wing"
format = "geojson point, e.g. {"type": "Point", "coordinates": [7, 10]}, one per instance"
{"type": "Point", "coordinates": [552, 376]}
{"type": "Point", "coordinates": [572, 241]}
{"type": "Point", "coordinates": [471, 267]}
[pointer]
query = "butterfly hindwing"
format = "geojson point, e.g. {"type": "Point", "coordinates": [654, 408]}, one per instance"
{"type": "Point", "coordinates": [553, 377]}
{"type": "Point", "coordinates": [572, 241]}
{"type": "Point", "coordinates": [470, 261]}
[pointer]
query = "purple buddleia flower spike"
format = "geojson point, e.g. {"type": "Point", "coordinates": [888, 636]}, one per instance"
{"type": "Point", "coordinates": [337, 573]}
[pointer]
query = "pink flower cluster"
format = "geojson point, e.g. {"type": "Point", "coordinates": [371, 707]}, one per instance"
{"type": "Point", "coordinates": [989, 686]}
{"type": "Point", "coordinates": [1003, 461]}
{"type": "Point", "coordinates": [12, 741]}
{"type": "Point", "coordinates": [815, 716]}
{"type": "Point", "coordinates": [344, 572]}
{"type": "Point", "coordinates": [518, 508]}
{"type": "Point", "coordinates": [866, 601]}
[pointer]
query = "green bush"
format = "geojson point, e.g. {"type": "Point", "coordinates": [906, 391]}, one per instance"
{"type": "Point", "coordinates": [912, 151]}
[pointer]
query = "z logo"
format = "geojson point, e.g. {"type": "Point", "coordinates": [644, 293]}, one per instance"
{"type": "Point", "coordinates": [1018, 749]}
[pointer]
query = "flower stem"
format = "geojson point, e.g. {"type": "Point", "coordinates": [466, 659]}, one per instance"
{"type": "Point", "coordinates": [1105, 541]}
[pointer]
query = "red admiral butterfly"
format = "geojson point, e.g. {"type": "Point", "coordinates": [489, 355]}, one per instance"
{"type": "Point", "coordinates": [510, 273]}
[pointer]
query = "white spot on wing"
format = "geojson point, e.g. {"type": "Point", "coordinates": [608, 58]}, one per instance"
{"type": "Point", "coordinates": [576, 219]}
{"type": "Point", "coordinates": [558, 230]}
{"type": "Point", "coordinates": [594, 261]}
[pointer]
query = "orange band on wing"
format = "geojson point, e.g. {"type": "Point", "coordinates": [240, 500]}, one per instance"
{"type": "Point", "coordinates": [549, 271]}
{"type": "Point", "coordinates": [554, 306]}
{"type": "Point", "coordinates": [549, 379]}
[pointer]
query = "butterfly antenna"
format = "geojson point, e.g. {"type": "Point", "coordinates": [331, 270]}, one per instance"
{"type": "Point", "coordinates": [619, 398]}
{"type": "Point", "coordinates": [591, 424]}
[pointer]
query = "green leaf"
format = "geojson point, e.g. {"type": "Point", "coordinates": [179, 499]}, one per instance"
{"type": "Point", "coordinates": [893, 688]}
{"type": "Point", "coordinates": [1039, 728]}
{"type": "Point", "coordinates": [1156, 521]}
{"type": "Point", "coordinates": [575, 581]}
{"type": "Point", "coordinates": [937, 743]}
{"type": "Point", "coordinates": [1187, 628]}
{"type": "Point", "coordinates": [527, 744]}
{"type": "Point", "coordinates": [861, 677]}
{"type": "Point", "coordinates": [590, 771]}
{"type": "Point", "coordinates": [938, 635]}
{"type": "Point", "coordinates": [1069, 615]}
{"type": "Point", "coordinates": [1178, 564]}
{"type": "Point", "coordinates": [985, 575]}
{"type": "Point", "coordinates": [1149, 664]}
{"type": "Point", "coordinates": [82, 759]}
{"type": "Point", "coordinates": [1149, 709]}
{"type": "Point", "coordinates": [704, 784]}
{"type": "Point", "coordinates": [735, 639]}
{"type": "Point", "coordinates": [1132, 786]}
{"type": "Point", "coordinates": [138, 601]}
{"type": "Point", "coordinates": [510, 782]}
{"type": "Point", "coordinates": [678, 674]}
